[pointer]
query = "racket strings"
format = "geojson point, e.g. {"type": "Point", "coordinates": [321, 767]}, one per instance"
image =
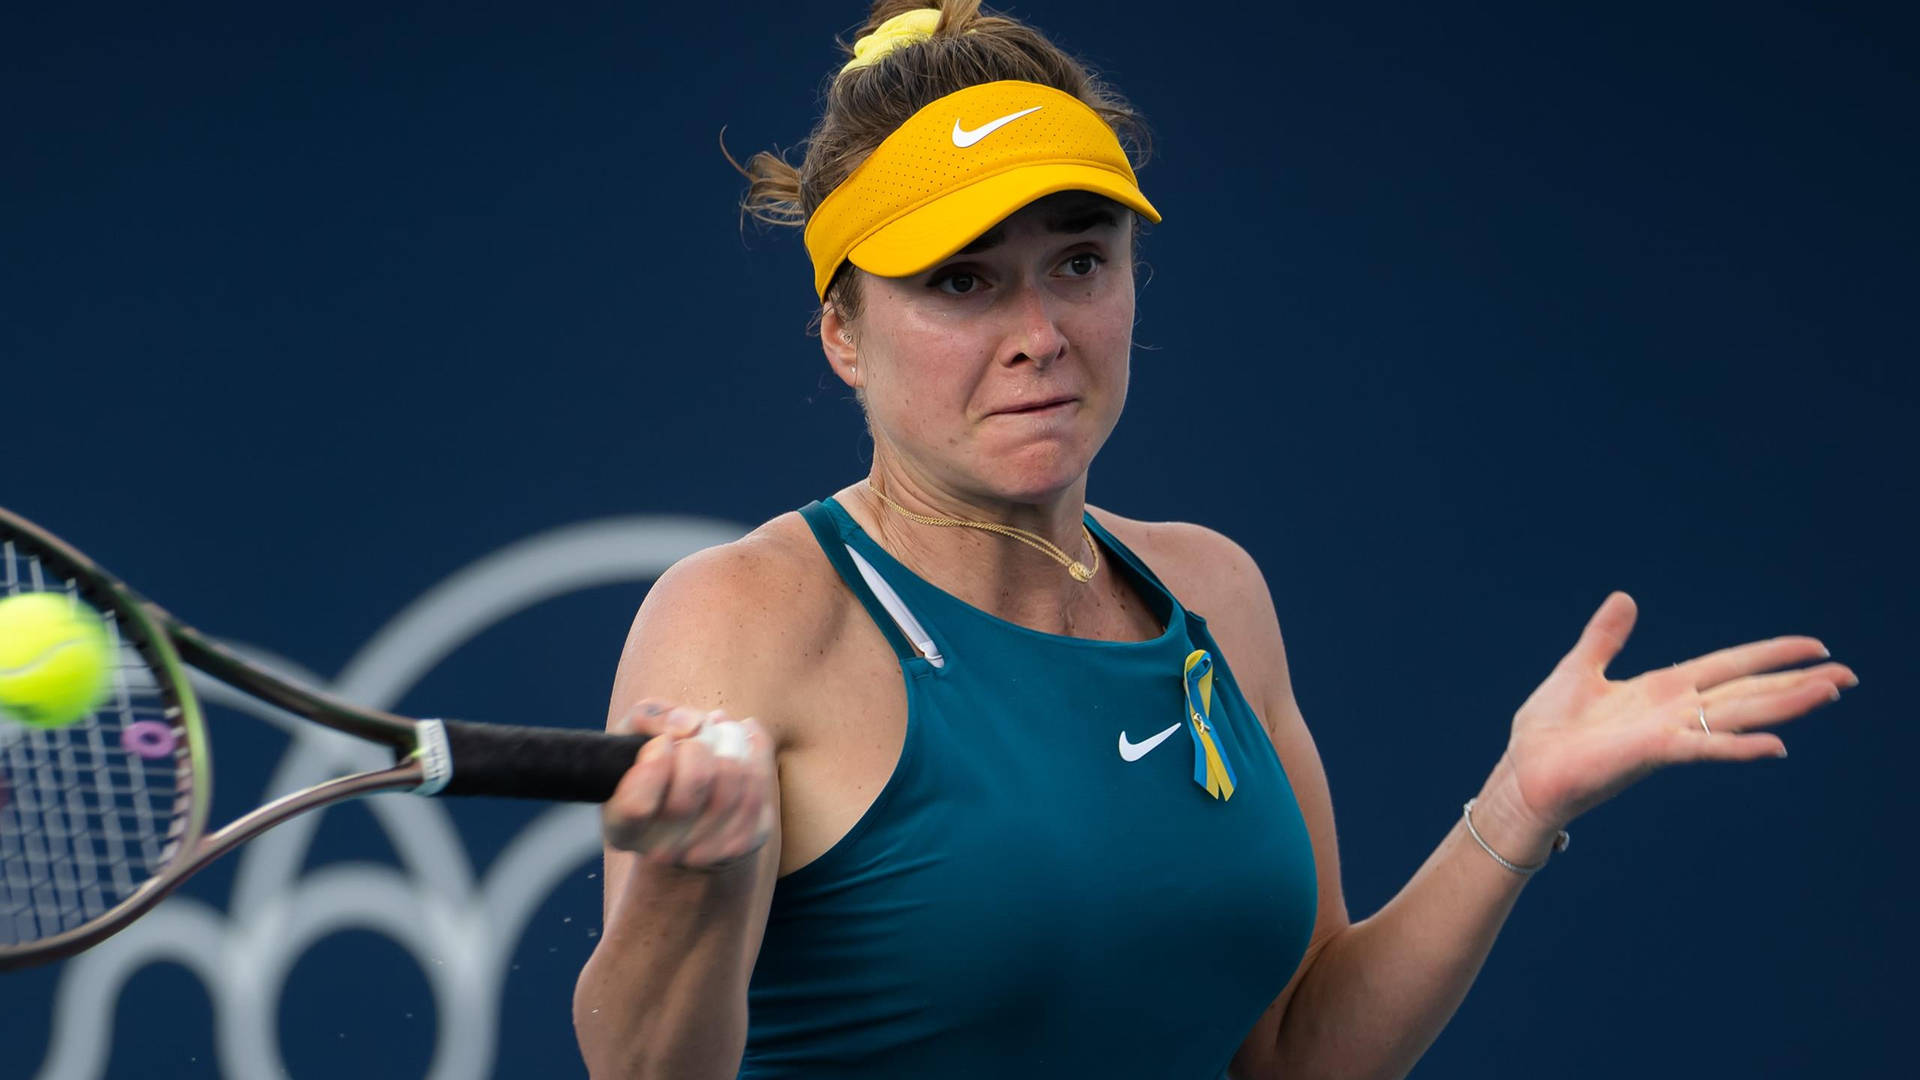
{"type": "Point", "coordinates": [90, 811]}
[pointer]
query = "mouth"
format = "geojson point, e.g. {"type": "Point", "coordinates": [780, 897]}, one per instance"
{"type": "Point", "coordinates": [1039, 408]}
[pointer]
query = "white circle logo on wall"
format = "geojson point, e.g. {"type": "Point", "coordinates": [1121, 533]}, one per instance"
{"type": "Point", "coordinates": [460, 930]}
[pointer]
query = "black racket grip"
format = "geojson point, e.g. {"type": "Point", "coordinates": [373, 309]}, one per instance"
{"type": "Point", "coordinates": [556, 764]}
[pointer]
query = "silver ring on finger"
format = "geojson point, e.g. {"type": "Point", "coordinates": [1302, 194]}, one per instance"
{"type": "Point", "coordinates": [1702, 706]}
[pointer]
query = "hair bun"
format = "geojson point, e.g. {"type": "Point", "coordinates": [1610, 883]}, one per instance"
{"type": "Point", "coordinates": [904, 29]}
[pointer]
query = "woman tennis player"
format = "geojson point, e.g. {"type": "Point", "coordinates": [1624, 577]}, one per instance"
{"type": "Point", "coordinates": [1028, 793]}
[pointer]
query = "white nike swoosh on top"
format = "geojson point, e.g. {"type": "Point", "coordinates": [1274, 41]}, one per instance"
{"type": "Point", "coordinates": [1135, 751]}
{"type": "Point", "coordinates": [963, 138]}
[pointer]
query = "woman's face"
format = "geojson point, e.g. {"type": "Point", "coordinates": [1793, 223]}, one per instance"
{"type": "Point", "coordinates": [1037, 310]}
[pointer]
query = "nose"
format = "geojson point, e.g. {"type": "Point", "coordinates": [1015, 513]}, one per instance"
{"type": "Point", "coordinates": [1033, 332]}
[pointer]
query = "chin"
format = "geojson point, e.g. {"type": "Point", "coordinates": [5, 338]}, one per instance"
{"type": "Point", "coordinates": [1031, 470]}
{"type": "Point", "coordinates": [1038, 483]}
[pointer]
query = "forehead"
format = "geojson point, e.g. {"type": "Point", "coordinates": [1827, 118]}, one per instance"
{"type": "Point", "coordinates": [1064, 212]}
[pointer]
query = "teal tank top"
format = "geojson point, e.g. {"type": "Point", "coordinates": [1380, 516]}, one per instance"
{"type": "Point", "coordinates": [1020, 899]}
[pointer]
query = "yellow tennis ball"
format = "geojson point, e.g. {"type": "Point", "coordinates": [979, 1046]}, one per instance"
{"type": "Point", "coordinates": [55, 659]}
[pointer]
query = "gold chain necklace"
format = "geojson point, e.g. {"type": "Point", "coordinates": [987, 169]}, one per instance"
{"type": "Point", "coordinates": [1075, 567]}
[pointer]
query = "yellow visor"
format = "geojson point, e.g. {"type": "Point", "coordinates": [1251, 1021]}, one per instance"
{"type": "Point", "coordinates": [959, 167]}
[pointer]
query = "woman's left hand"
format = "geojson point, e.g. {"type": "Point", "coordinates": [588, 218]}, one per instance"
{"type": "Point", "coordinates": [1581, 739]}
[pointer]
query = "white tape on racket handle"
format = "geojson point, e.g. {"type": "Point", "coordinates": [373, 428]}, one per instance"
{"type": "Point", "coordinates": [434, 756]}
{"type": "Point", "coordinates": [727, 738]}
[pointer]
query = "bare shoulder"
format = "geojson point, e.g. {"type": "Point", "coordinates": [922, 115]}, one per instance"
{"type": "Point", "coordinates": [771, 586]}
{"type": "Point", "coordinates": [1206, 569]}
{"type": "Point", "coordinates": [735, 626]}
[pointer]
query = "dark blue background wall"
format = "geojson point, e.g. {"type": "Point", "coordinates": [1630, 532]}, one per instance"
{"type": "Point", "coordinates": [305, 308]}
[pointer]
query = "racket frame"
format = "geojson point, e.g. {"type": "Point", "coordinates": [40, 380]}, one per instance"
{"type": "Point", "coordinates": [169, 646]}
{"type": "Point", "coordinates": [432, 757]}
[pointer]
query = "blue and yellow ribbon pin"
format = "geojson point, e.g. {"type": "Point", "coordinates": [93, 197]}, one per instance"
{"type": "Point", "coordinates": [1210, 768]}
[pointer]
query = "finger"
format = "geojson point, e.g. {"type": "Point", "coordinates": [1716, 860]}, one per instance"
{"type": "Point", "coordinates": [1711, 670]}
{"type": "Point", "coordinates": [636, 799]}
{"type": "Point", "coordinates": [1768, 707]}
{"type": "Point", "coordinates": [682, 721]}
{"type": "Point", "coordinates": [692, 783]}
{"type": "Point", "coordinates": [640, 789]}
{"type": "Point", "coordinates": [723, 801]}
{"type": "Point", "coordinates": [734, 850]}
{"type": "Point", "coordinates": [733, 839]}
{"type": "Point", "coordinates": [746, 832]}
{"type": "Point", "coordinates": [1836, 675]}
{"type": "Point", "coordinates": [688, 787]}
{"type": "Point", "coordinates": [1696, 745]}
{"type": "Point", "coordinates": [644, 717]}
{"type": "Point", "coordinates": [743, 775]}
{"type": "Point", "coordinates": [1605, 634]}
{"type": "Point", "coordinates": [752, 820]}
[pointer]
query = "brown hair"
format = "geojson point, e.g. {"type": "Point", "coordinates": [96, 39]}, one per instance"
{"type": "Point", "coordinates": [865, 105]}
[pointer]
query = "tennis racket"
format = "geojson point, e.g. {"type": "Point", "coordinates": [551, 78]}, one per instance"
{"type": "Point", "coordinates": [102, 818]}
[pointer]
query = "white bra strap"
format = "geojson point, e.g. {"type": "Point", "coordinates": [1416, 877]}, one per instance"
{"type": "Point", "coordinates": [890, 600]}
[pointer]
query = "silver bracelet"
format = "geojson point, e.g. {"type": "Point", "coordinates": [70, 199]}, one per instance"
{"type": "Point", "coordinates": [1560, 843]}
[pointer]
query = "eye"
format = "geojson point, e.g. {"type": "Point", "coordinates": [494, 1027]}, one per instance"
{"type": "Point", "coordinates": [958, 283]}
{"type": "Point", "coordinates": [1083, 264]}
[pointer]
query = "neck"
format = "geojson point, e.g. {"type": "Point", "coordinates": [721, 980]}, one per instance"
{"type": "Point", "coordinates": [993, 572]}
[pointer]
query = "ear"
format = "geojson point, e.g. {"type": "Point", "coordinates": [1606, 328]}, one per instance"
{"type": "Point", "coordinates": [838, 342]}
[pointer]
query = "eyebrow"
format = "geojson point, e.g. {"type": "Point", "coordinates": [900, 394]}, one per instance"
{"type": "Point", "coordinates": [1068, 222]}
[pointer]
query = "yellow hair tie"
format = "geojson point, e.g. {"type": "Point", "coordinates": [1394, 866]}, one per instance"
{"type": "Point", "coordinates": [904, 29]}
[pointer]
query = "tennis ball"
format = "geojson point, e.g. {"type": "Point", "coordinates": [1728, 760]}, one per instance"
{"type": "Point", "coordinates": [55, 659]}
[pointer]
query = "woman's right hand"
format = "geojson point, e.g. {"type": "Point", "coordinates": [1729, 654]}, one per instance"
{"type": "Point", "coordinates": [700, 794]}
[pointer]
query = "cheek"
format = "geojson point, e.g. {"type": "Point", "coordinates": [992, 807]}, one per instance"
{"type": "Point", "coordinates": [923, 383]}
{"type": "Point", "coordinates": [934, 357]}
{"type": "Point", "coordinates": [1105, 337]}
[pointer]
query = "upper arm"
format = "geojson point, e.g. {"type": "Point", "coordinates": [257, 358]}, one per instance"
{"type": "Point", "coordinates": [1221, 581]}
{"type": "Point", "coordinates": [723, 628]}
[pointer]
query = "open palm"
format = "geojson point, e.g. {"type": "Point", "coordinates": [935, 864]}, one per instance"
{"type": "Point", "coordinates": [1581, 738]}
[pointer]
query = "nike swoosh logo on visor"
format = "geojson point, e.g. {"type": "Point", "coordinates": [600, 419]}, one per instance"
{"type": "Point", "coordinates": [1135, 751]}
{"type": "Point", "coordinates": [963, 138]}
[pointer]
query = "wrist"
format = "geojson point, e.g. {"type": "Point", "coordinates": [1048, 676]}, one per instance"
{"type": "Point", "coordinates": [1507, 825]}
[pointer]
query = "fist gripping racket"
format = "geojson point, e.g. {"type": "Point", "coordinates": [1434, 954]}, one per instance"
{"type": "Point", "coordinates": [102, 818]}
